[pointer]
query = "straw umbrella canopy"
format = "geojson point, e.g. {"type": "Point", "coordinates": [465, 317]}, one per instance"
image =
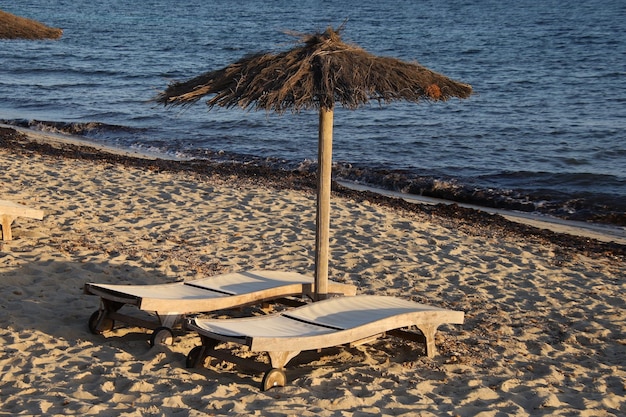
{"type": "Point", "coordinates": [320, 71]}
{"type": "Point", "coordinates": [16, 27]}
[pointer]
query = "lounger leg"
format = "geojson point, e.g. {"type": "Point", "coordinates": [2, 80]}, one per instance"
{"type": "Point", "coordinates": [5, 221]}
{"type": "Point", "coordinates": [279, 359]}
{"type": "Point", "coordinates": [110, 306]}
{"type": "Point", "coordinates": [170, 319]}
{"type": "Point", "coordinates": [428, 330]}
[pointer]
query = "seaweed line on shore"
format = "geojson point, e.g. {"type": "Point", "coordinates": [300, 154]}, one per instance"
{"type": "Point", "coordinates": [470, 220]}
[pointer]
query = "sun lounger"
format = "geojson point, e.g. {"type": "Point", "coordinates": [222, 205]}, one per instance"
{"type": "Point", "coordinates": [332, 322]}
{"type": "Point", "coordinates": [172, 302]}
{"type": "Point", "coordinates": [9, 211]}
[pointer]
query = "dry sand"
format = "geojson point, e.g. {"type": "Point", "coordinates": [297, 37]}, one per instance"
{"type": "Point", "coordinates": [545, 322]}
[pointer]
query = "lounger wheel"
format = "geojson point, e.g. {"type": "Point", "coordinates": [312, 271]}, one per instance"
{"type": "Point", "coordinates": [273, 378]}
{"type": "Point", "coordinates": [197, 357]}
{"type": "Point", "coordinates": [98, 325]}
{"type": "Point", "coordinates": [162, 336]}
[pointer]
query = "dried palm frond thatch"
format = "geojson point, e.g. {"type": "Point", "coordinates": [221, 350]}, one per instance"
{"type": "Point", "coordinates": [16, 27]}
{"type": "Point", "coordinates": [321, 71]}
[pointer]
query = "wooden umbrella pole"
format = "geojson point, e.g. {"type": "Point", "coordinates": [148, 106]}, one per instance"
{"type": "Point", "coordinates": [324, 170]}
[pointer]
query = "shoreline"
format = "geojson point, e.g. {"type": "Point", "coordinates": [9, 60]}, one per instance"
{"type": "Point", "coordinates": [585, 205]}
{"type": "Point", "coordinates": [601, 232]}
{"type": "Point", "coordinates": [584, 238]}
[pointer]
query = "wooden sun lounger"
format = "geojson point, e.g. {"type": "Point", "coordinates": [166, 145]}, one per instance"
{"type": "Point", "coordinates": [332, 322]}
{"type": "Point", "coordinates": [9, 211]}
{"type": "Point", "coordinates": [172, 302]}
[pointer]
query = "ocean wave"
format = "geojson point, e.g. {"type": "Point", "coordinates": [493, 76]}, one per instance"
{"type": "Point", "coordinates": [69, 128]}
{"type": "Point", "coordinates": [572, 205]}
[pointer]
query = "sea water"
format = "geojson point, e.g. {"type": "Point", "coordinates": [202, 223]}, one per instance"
{"type": "Point", "coordinates": [545, 128]}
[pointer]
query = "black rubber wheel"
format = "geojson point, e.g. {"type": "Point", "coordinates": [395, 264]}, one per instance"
{"type": "Point", "coordinates": [162, 336]}
{"type": "Point", "coordinates": [273, 378]}
{"type": "Point", "coordinates": [106, 325]}
{"type": "Point", "coordinates": [198, 357]}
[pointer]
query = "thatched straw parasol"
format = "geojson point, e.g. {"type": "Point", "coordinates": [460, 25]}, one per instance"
{"type": "Point", "coordinates": [15, 27]}
{"type": "Point", "coordinates": [319, 72]}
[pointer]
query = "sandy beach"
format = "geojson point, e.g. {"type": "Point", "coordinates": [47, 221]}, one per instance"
{"type": "Point", "coordinates": [545, 317]}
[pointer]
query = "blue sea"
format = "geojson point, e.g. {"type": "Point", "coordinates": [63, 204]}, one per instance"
{"type": "Point", "coordinates": [545, 130]}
